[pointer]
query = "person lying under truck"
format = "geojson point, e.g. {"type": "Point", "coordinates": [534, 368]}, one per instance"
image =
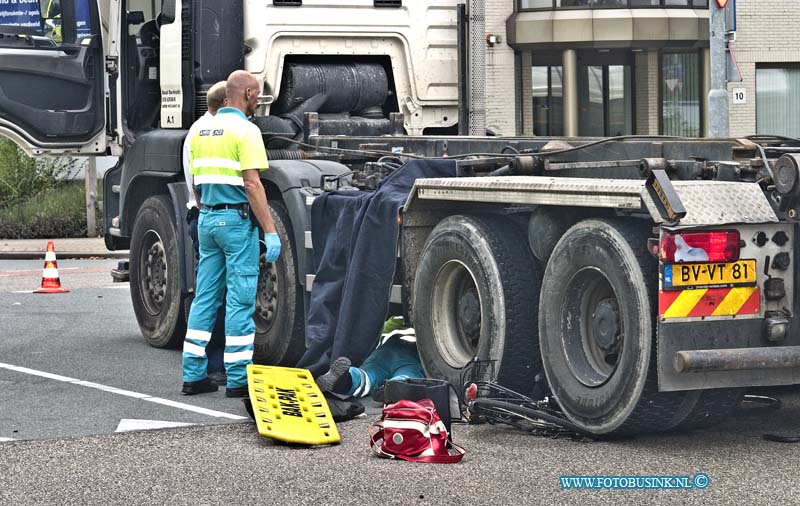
{"type": "Point", "coordinates": [395, 358]}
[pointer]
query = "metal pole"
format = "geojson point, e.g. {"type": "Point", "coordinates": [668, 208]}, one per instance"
{"type": "Point", "coordinates": [90, 184]}
{"type": "Point", "coordinates": [463, 70]}
{"type": "Point", "coordinates": [705, 61]}
{"type": "Point", "coordinates": [570, 90]}
{"type": "Point", "coordinates": [476, 12]}
{"type": "Point", "coordinates": [718, 96]}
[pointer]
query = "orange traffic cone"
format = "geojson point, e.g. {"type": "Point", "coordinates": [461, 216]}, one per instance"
{"type": "Point", "coordinates": [50, 281]}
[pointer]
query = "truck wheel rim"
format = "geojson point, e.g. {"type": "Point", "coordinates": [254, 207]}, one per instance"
{"type": "Point", "coordinates": [267, 295]}
{"type": "Point", "coordinates": [456, 312]}
{"type": "Point", "coordinates": [591, 327]}
{"type": "Point", "coordinates": [153, 266]}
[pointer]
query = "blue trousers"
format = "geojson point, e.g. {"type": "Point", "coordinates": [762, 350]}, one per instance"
{"type": "Point", "coordinates": [393, 361]}
{"type": "Point", "coordinates": [216, 346]}
{"type": "Point", "coordinates": [228, 257]}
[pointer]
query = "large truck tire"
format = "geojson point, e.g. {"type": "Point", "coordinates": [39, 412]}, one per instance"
{"type": "Point", "coordinates": [279, 316]}
{"type": "Point", "coordinates": [711, 408]}
{"type": "Point", "coordinates": [154, 274]}
{"type": "Point", "coordinates": [597, 330]}
{"type": "Point", "coordinates": [475, 294]}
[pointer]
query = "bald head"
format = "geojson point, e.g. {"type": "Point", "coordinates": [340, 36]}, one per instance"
{"type": "Point", "coordinates": [242, 91]}
{"type": "Point", "coordinates": [216, 97]}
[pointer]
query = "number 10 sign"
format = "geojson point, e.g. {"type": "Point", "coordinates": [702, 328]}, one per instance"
{"type": "Point", "coordinates": [740, 95]}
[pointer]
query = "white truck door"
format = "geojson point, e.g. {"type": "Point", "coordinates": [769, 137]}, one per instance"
{"type": "Point", "coordinates": [52, 96]}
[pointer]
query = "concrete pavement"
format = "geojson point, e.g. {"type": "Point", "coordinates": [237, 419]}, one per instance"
{"type": "Point", "coordinates": [85, 247]}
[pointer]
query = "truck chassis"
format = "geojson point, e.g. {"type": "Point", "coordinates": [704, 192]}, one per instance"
{"type": "Point", "coordinates": [544, 256]}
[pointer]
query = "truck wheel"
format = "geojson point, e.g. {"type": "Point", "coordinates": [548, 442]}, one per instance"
{"type": "Point", "coordinates": [596, 326]}
{"type": "Point", "coordinates": [280, 325]}
{"type": "Point", "coordinates": [475, 291]}
{"type": "Point", "coordinates": [712, 407]}
{"type": "Point", "coordinates": [154, 280]}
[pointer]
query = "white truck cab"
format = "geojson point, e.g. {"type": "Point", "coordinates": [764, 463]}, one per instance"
{"type": "Point", "coordinates": [87, 76]}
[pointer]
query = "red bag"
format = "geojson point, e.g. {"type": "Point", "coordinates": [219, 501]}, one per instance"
{"type": "Point", "coordinates": [413, 431]}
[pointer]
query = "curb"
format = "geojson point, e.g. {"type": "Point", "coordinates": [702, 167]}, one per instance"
{"type": "Point", "coordinates": [62, 255]}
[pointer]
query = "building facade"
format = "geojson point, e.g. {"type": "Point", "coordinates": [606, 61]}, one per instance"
{"type": "Point", "coordinates": [619, 67]}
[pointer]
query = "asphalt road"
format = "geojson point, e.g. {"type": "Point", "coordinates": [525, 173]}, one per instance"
{"type": "Point", "coordinates": [65, 451]}
{"type": "Point", "coordinates": [75, 363]}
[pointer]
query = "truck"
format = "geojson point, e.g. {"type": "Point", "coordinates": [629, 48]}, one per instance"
{"type": "Point", "coordinates": [644, 281]}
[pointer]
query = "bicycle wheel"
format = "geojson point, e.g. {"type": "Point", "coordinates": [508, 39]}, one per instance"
{"type": "Point", "coordinates": [525, 418]}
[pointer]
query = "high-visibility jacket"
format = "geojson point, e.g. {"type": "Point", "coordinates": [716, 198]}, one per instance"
{"type": "Point", "coordinates": [187, 173]}
{"type": "Point", "coordinates": [220, 150]}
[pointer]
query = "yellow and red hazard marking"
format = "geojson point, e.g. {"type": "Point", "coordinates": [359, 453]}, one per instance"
{"type": "Point", "coordinates": [700, 302]}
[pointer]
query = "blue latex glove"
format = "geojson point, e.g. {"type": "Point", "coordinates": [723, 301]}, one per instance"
{"type": "Point", "coordinates": [273, 244]}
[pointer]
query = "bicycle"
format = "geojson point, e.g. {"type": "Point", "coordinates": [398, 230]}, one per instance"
{"type": "Point", "coordinates": [490, 402]}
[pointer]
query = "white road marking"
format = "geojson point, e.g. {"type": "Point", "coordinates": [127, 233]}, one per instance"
{"type": "Point", "coordinates": [119, 391]}
{"type": "Point", "coordinates": [196, 409]}
{"type": "Point", "coordinates": [129, 424]}
{"type": "Point", "coordinates": [5, 439]}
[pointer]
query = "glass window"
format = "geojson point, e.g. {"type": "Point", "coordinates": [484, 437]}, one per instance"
{"type": "Point", "coordinates": [556, 101]}
{"type": "Point", "coordinates": [548, 116]}
{"type": "Point", "coordinates": [536, 4]}
{"type": "Point", "coordinates": [620, 100]}
{"type": "Point", "coordinates": [605, 100]}
{"type": "Point", "coordinates": [680, 94]}
{"type": "Point", "coordinates": [590, 101]}
{"type": "Point", "coordinates": [541, 99]}
{"type": "Point", "coordinates": [591, 3]}
{"type": "Point", "coordinates": [23, 15]}
{"type": "Point", "coordinates": [44, 22]}
{"type": "Point", "coordinates": [573, 3]}
{"type": "Point", "coordinates": [645, 3]}
{"type": "Point", "coordinates": [778, 101]}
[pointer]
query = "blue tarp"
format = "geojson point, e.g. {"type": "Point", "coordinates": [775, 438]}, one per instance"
{"type": "Point", "coordinates": [355, 238]}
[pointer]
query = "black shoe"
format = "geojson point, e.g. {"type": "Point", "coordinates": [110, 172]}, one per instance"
{"type": "Point", "coordinates": [203, 386]}
{"type": "Point", "coordinates": [220, 378]}
{"type": "Point", "coordinates": [237, 392]}
{"type": "Point", "coordinates": [328, 381]}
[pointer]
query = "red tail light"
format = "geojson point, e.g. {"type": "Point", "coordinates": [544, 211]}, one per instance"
{"type": "Point", "coordinates": [700, 247]}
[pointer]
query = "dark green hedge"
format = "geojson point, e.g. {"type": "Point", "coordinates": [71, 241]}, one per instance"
{"type": "Point", "coordinates": [56, 212]}
{"type": "Point", "coordinates": [39, 198]}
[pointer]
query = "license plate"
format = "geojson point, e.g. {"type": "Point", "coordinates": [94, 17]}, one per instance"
{"type": "Point", "coordinates": [682, 276]}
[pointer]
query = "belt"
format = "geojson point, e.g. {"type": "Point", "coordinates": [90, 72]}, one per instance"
{"type": "Point", "coordinates": [219, 207]}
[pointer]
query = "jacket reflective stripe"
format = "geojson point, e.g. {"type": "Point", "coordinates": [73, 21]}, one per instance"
{"type": "Point", "coordinates": [218, 179]}
{"type": "Point", "coordinates": [217, 170]}
{"type": "Point", "coordinates": [217, 162]}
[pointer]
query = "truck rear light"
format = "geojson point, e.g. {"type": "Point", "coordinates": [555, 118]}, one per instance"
{"type": "Point", "coordinates": [717, 246]}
